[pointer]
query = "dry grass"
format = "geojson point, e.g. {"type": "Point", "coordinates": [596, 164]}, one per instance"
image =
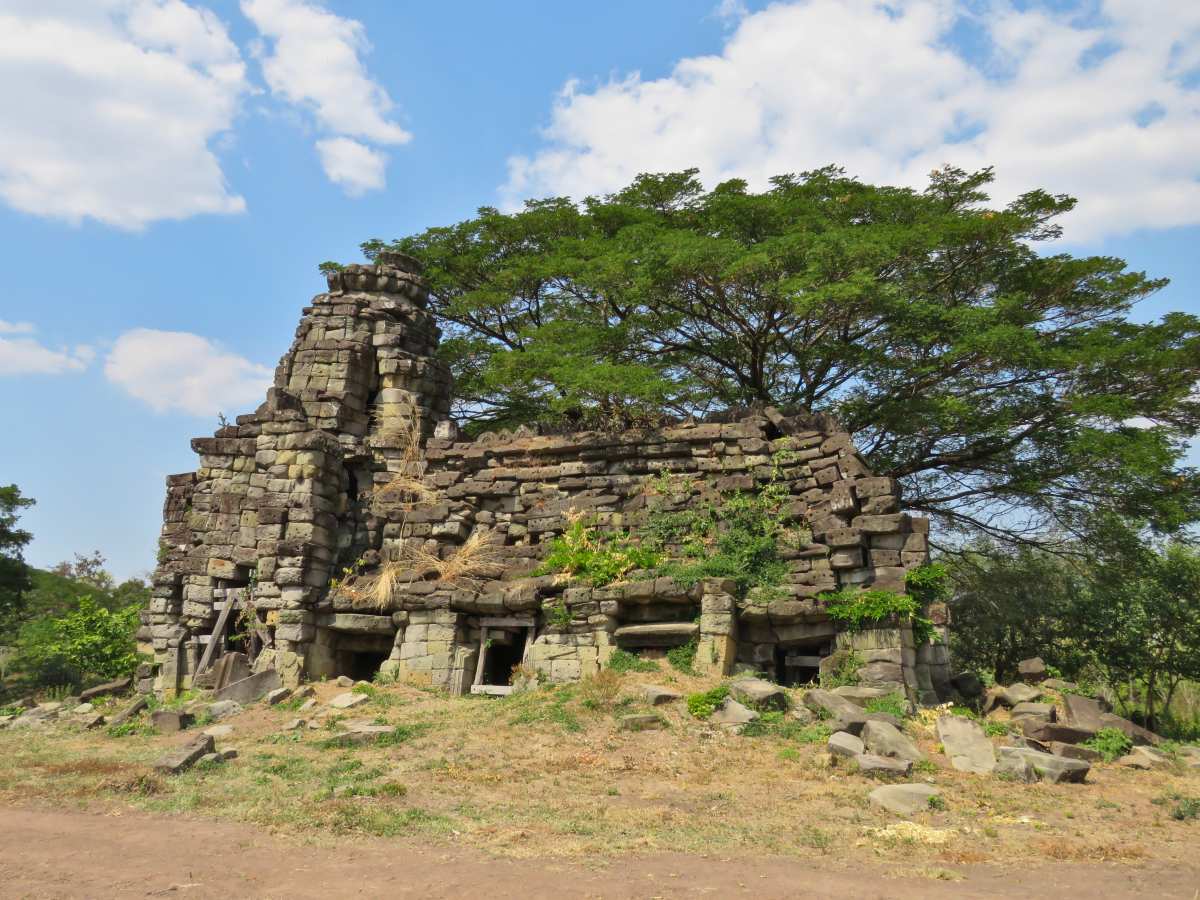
{"type": "Point", "coordinates": [549, 773]}
{"type": "Point", "coordinates": [478, 556]}
{"type": "Point", "coordinates": [406, 489]}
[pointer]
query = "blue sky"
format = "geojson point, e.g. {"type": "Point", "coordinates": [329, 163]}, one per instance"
{"type": "Point", "coordinates": [172, 172]}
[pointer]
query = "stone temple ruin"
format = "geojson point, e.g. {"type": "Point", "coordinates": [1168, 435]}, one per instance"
{"type": "Point", "coordinates": [325, 528]}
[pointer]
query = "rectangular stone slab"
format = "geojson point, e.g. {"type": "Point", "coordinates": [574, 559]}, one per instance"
{"type": "Point", "coordinates": [250, 689]}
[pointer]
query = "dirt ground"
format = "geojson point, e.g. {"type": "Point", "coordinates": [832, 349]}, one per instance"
{"type": "Point", "coordinates": [544, 794]}
{"type": "Point", "coordinates": [53, 854]}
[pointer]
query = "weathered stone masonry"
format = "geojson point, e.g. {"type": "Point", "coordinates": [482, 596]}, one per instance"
{"type": "Point", "coordinates": [282, 505]}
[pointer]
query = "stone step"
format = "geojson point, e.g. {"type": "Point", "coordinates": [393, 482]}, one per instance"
{"type": "Point", "coordinates": [657, 634]}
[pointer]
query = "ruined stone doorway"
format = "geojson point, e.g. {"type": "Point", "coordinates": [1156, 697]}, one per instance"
{"type": "Point", "coordinates": [503, 645]}
{"type": "Point", "coordinates": [362, 665]}
{"type": "Point", "coordinates": [799, 664]}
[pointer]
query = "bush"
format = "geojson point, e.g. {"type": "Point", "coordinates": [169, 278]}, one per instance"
{"type": "Point", "coordinates": [683, 658]}
{"type": "Point", "coordinates": [705, 703]}
{"type": "Point", "coordinates": [91, 643]}
{"type": "Point", "coordinates": [598, 559]}
{"type": "Point", "coordinates": [1111, 743]}
{"type": "Point", "coordinates": [857, 609]}
{"type": "Point", "coordinates": [624, 661]}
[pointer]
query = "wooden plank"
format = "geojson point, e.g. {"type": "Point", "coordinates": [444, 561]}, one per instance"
{"type": "Point", "coordinates": [214, 640]}
{"type": "Point", "coordinates": [507, 622]}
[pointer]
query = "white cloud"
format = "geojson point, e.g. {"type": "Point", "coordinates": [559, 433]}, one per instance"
{"type": "Point", "coordinates": [25, 356]}
{"type": "Point", "coordinates": [314, 63]}
{"type": "Point", "coordinates": [176, 370]}
{"type": "Point", "coordinates": [1106, 109]}
{"type": "Point", "coordinates": [110, 107]}
{"type": "Point", "coordinates": [354, 166]}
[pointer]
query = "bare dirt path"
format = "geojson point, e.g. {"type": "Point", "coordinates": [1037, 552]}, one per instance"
{"type": "Point", "coordinates": [51, 854]}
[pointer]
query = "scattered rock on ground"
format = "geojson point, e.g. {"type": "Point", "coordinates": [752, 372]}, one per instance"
{"type": "Point", "coordinates": [658, 696]}
{"type": "Point", "coordinates": [168, 720]}
{"type": "Point", "coordinates": [803, 715]}
{"type": "Point", "coordinates": [1009, 696]}
{"type": "Point", "coordinates": [1051, 732]}
{"type": "Point", "coordinates": [251, 688]}
{"type": "Point", "coordinates": [1049, 767]}
{"type": "Point", "coordinates": [1016, 768]}
{"type": "Point", "coordinates": [1074, 751]}
{"type": "Point", "coordinates": [967, 684]}
{"type": "Point", "coordinates": [294, 725]}
{"type": "Point", "coordinates": [1144, 758]}
{"type": "Point", "coordinates": [732, 714]}
{"type": "Point", "coordinates": [860, 695]}
{"type": "Point", "coordinates": [843, 743]}
{"type": "Point", "coordinates": [129, 712]}
{"type": "Point", "coordinates": [1043, 712]}
{"type": "Point", "coordinates": [887, 740]}
{"type": "Point", "coordinates": [223, 709]}
{"type": "Point", "coordinates": [118, 686]}
{"type": "Point", "coordinates": [966, 744]}
{"type": "Point", "coordinates": [759, 694]}
{"type": "Point", "coordinates": [841, 714]}
{"type": "Point", "coordinates": [278, 695]}
{"type": "Point", "coordinates": [871, 764]}
{"type": "Point", "coordinates": [903, 799]}
{"type": "Point", "coordinates": [183, 758]}
{"type": "Point", "coordinates": [348, 700]}
{"type": "Point", "coordinates": [344, 681]}
{"type": "Point", "coordinates": [219, 731]}
{"type": "Point", "coordinates": [1057, 684]}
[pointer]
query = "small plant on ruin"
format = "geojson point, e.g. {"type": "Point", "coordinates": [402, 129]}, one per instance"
{"type": "Point", "coordinates": [559, 614]}
{"type": "Point", "coordinates": [844, 672]}
{"type": "Point", "coordinates": [1111, 743]}
{"type": "Point", "coordinates": [893, 704]}
{"type": "Point", "coordinates": [406, 488]}
{"type": "Point", "coordinates": [596, 558]}
{"type": "Point", "coordinates": [624, 661]}
{"type": "Point", "coordinates": [683, 658]}
{"type": "Point", "coordinates": [704, 704]}
{"type": "Point", "coordinates": [858, 609]}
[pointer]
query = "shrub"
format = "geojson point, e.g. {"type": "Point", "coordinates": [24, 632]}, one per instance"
{"type": "Point", "coordinates": [844, 673]}
{"type": "Point", "coordinates": [705, 703]}
{"type": "Point", "coordinates": [683, 658]}
{"type": "Point", "coordinates": [858, 609]}
{"type": "Point", "coordinates": [624, 661]}
{"type": "Point", "coordinates": [1186, 809]}
{"type": "Point", "coordinates": [598, 559]}
{"type": "Point", "coordinates": [90, 643]}
{"type": "Point", "coordinates": [1111, 743]}
{"type": "Point", "coordinates": [600, 690]}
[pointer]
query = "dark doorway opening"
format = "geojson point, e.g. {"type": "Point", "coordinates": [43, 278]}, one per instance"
{"type": "Point", "coordinates": [505, 651]}
{"type": "Point", "coordinates": [363, 665]}
{"type": "Point", "coordinates": [798, 665]}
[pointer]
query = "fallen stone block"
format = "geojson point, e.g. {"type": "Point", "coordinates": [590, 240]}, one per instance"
{"type": "Point", "coordinates": [838, 712]}
{"type": "Point", "coordinates": [1048, 767]}
{"type": "Point", "coordinates": [860, 695]}
{"type": "Point", "coordinates": [1057, 684]}
{"type": "Point", "coordinates": [1055, 732]}
{"type": "Point", "coordinates": [1144, 758]}
{"type": "Point", "coordinates": [759, 694]}
{"type": "Point", "coordinates": [883, 766]}
{"type": "Point", "coordinates": [119, 686]}
{"type": "Point", "coordinates": [168, 720]}
{"type": "Point", "coordinates": [294, 724]}
{"type": "Point", "coordinates": [278, 695]}
{"type": "Point", "coordinates": [1015, 768]}
{"type": "Point", "coordinates": [1032, 670]}
{"type": "Point", "coordinates": [183, 758]}
{"type": "Point", "coordinates": [1074, 751]}
{"type": "Point", "coordinates": [658, 696]}
{"type": "Point", "coordinates": [843, 743]}
{"type": "Point", "coordinates": [129, 712]}
{"type": "Point", "coordinates": [250, 689]}
{"type": "Point", "coordinates": [1042, 712]}
{"type": "Point", "coordinates": [883, 739]}
{"type": "Point", "coordinates": [223, 709]}
{"type": "Point", "coordinates": [344, 681]}
{"type": "Point", "coordinates": [903, 799]}
{"type": "Point", "coordinates": [219, 731]}
{"type": "Point", "coordinates": [966, 744]}
{"type": "Point", "coordinates": [732, 714]}
{"type": "Point", "coordinates": [348, 700]}
{"type": "Point", "coordinates": [642, 722]}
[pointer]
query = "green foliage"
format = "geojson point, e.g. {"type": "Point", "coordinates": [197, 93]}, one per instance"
{"type": "Point", "coordinates": [597, 558]}
{"type": "Point", "coordinates": [624, 661]}
{"type": "Point", "coordinates": [15, 578]}
{"type": "Point", "coordinates": [859, 609]}
{"type": "Point", "coordinates": [936, 803]}
{"type": "Point", "coordinates": [683, 658]}
{"type": "Point", "coordinates": [892, 704]}
{"type": "Point", "coordinates": [996, 729]}
{"type": "Point", "coordinates": [560, 615]}
{"type": "Point", "coordinates": [545, 707]}
{"type": "Point", "coordinates": [364, 687]}
{"type": "Point", "coordinates": [739, 538]}
{"type": "Point", "coordinates": [88, 644]}
{"type": "Point", "coordinates": [130, 728]}
{"type": "Point", "coordinates": [778, 724]}
{"type": "Point", "coordinates": [1186, 809]}
{"type": "Point", "coordinates": [1111, 743]}
{"type": "Point", "coordinates": [998, 382]}
{"type": "Point", "coordinates": [844, 673]}
{"type": "Point", "coordinates": [704, 704]}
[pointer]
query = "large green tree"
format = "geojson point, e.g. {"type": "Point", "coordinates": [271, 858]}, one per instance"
{"type": "Point", "coordinates": [14, 573]}
{"type": "Point", "coordinates": [1008, 389]}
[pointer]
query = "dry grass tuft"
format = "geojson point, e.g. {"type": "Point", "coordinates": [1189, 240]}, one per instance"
{"type": "Point", "coordinates": [407, 488]}
{"type": "Point", "coordinates": [478, 556]}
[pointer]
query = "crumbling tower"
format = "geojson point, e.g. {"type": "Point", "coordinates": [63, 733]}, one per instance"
{"type": "Point", "coordinates": [281, 500]}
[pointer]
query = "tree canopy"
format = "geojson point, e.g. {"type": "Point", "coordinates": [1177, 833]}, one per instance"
{"type": "Point", "coordinates": [15, 577]}
{"type": "Point", "coordinates": [1009, 390]}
